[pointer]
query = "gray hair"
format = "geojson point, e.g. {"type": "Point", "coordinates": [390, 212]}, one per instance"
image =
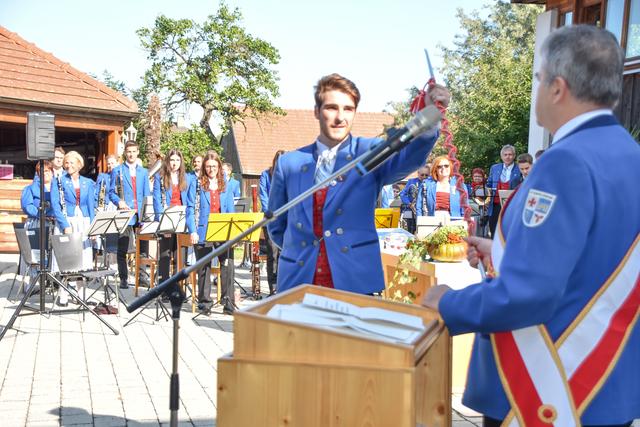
{"type": "Point", "coordinates": [589, 59]}
{"type": "Point", "coordinates": [508, 147]}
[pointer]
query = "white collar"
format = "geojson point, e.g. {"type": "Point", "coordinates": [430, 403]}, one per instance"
{"type": "Point", "coordinates": [326, 152]}
{"type": "Point", "coordinates": [578, 120]}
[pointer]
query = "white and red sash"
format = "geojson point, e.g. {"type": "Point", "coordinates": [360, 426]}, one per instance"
{"type": "Point", "coordinates": [551, 383]}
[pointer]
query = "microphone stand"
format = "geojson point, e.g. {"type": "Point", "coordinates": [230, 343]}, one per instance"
{"type": "Point", "coordinates": [170, 286]}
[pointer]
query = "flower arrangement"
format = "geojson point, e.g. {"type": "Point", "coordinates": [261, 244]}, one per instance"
{"type": "Point", "coordinates": [444, 244]}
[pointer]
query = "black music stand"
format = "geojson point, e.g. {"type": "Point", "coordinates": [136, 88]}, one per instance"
{"type": "Point", "coordinates": [172, 221]}
{"type": "Point", "coordinates": [110, 223]}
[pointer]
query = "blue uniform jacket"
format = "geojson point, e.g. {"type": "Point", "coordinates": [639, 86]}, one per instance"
{"type": "Point", "coordinates": [405, 196]}
{"type": "Point", "coordinates": [550, 272]}
{"type": "Point", "coordinates": [142, 187]}
{"type": "Point", "coordinates": [226, 206]}
{"type": "Point", "coordinates": [348, 217]}
{"type": "Point", "coordinates": [87, 199]}
{"type": "Point", "coordinates": [157, 196]}
{"type": "Point", "coordinates": [30, 199]}
{"type": "Point", "coordinates": [386, 196]}
{"type": "Point", "coordinates": [263, 190]}
{"type": "Point", "coordinates": [494, 178]}
{"type": "Point", "coordinates": [233, 186]}
{"type": "Point", "coordinates": [429, 186]}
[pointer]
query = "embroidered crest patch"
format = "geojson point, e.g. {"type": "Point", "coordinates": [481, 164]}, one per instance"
{"type": "Point", "coordinates": [537, 207]}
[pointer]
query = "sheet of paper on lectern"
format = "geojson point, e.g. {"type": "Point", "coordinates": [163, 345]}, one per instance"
{"type": "Point", "coordinates": [338, 315]}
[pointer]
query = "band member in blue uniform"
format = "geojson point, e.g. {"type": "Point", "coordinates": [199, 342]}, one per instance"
{"type": "Point", "coordinates": [502, 176]}
{"type": "Point", "coordinates": [128, 186]}
{"type": "Point", "coordinates": [30, 202]}
{"type": "Point", "coordinates": [409, 197]}
{"type": "Point", "coordinates": [567, 255]}
{"type": "Point", "coordinates": [232, 184]}
{"type": "Point", "coordinates": [272, 250]}
{"type": "Point", "coordinates": [103, 203]}
{"type": "Point", "coordinates": [73, 203]}
{"type": "Point", "coordinates": [330, 239]}
{"type": "Point", "coordinates": [439, 195]}
{"type": "Point", "coordinates": [170, 188]}
{"type": "Point", "coordinates": [209, 195]}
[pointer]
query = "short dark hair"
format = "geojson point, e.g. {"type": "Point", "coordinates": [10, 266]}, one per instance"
{"type": "Point", "coordinates": [130, 143]}
{"type": "Point", "coordinates": [336, 82]}
{"type": "Point", "coordinates": [525, 158]}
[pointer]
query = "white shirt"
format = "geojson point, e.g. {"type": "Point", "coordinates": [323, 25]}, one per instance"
{"type": "Point", "coordinates": [505, 175]}
{"type": "Point", "coordinates": [132, 169]}
{"type": "Point", "coordinates": [326, 155]}
{"type": "Point", "coordinates": [573, 124]}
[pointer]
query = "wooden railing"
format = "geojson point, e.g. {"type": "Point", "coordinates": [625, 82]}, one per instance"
{"type": "Point", "coordinates": [10, 212]}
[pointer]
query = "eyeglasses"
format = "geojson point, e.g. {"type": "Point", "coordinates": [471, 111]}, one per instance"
{"type": "Point", "coordinates": [442, 166]}
{"type": "Point", "coordinates": [211, 167]}
{"type": "Point", "coordinates": [423, 175]}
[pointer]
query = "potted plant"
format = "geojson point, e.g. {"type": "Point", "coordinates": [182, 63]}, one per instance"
{"type": "Point", "coordinates": [446, 244]}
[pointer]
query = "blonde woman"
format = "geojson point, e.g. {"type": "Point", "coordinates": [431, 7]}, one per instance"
{"type": "Point", "coordinates": [439, 196]}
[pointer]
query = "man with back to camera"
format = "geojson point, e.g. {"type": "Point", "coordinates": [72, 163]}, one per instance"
{"type": "Point", "coordinates": [556, 336]}
{"type": "Point", "coordinates": [330, 238]}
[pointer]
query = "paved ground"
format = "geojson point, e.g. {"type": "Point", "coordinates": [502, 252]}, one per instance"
{"type": "Point", "coordinates": [59, 370]}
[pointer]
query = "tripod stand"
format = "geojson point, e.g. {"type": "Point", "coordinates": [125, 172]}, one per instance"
{"type": "Point", "coordinates": [44, 276]}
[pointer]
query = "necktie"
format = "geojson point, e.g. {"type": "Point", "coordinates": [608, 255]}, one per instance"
{"type": "Point", "coordinates": [324, 168]}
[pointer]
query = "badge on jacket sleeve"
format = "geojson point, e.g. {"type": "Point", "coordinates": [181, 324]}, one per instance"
{"type": "Point", "coordinates": [537, 207]}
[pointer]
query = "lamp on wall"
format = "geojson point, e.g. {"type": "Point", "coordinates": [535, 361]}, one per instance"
{"type": "Point", "coordinates": [131, 133]}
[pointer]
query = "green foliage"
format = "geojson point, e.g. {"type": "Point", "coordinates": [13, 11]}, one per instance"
{"type": "Point", "coordinates": [489, 73]}
{"type": "Point", "coordinates": [215, 64]}
{"type": "Point", "coordinates": [195, 141]}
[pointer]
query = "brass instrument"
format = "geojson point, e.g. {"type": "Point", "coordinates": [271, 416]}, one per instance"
{"type": "Point", "coordinates": [119, 186]}
{"type": "Point", "coordinates": [163, 195]}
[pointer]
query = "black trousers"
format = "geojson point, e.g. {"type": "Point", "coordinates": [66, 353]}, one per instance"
{"type": "Point", "coordinates": [122, 250]}
{"type": "Point", "coordinates": [273, 253]}
{"type": "Point", "coordinates": [227, 272]}
{"type": "Point", "coordinates": [493, 219]}
{"type": "Point", "coordinates": [491, 422]}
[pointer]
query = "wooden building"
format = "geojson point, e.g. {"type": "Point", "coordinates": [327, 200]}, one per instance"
{"type": "Point", "coordinates": [250, 147]}
{"type": "Point", "coordinates": [622, 18]}
{"type": "Point", "coordinates": [89, 117]}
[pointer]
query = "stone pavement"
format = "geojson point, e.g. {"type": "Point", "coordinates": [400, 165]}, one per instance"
{"type": "Point", "coordinates": [59, 370]}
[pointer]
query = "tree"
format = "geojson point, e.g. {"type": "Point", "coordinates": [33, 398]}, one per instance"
{"type": "Point", "coordinates": [118, 85]}
{"type": "Point", "coordinates": [489, 74]}
{"type": "Point", "coordinates": [216, 65]}
{"type": "Point", "coordinates": [152, 129]}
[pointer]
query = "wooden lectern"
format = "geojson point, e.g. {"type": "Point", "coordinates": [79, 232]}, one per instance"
{"type": "Point", "coordinates": [299, 375]}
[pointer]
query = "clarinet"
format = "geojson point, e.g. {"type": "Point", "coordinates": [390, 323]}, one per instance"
{"type": "Point", "coordinates": [119, 186]}
{"type": "Point", "coordinates": [163, 196]}
{"type": "Point", "coordinates": [63, 202]}
{"type": "Point", "coordinates": [101, 195]}
{"type": "Point", "coordinates": [197, 205]}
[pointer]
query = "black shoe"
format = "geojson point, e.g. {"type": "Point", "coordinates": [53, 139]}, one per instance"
{"type": "Point", "coordinates": [228, 309]}
{"type": "Point", "coordinates": [62, 304]}
{"type": "Point", "coordinates": [124, 284]}
{"type": "Point", "coordinates": [204, 300]}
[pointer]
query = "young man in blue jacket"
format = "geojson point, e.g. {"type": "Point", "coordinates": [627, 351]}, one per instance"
{"type": "Point", "coordinates": [330, 238]}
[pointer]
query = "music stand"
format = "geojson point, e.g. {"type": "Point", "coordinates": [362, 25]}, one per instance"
{"type": "Point", "coordinates": [387, 217]}
{"type": "Point", "coordinates": [110, 223]}
{"type": "Point", "coordinates": [172, 220]}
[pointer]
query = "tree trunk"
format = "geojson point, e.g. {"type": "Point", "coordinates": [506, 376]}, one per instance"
{"type": "Point", "coordinates": [204, 124]}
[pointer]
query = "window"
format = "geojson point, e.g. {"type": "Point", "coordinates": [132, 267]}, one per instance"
{"type": "Point", "coordinates": [622, 18]}
{"type": "Point", "coordinates": [633, 32]}
{"type": "Point", "coordinates": [615, 15]}
{"type": "Point", "coordinates": [566, 19]}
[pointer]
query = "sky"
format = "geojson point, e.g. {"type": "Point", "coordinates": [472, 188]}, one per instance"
{"type": "Point", "coordinates": [377, 44]}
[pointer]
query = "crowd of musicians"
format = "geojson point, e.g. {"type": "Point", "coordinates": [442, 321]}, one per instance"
{"type": "Point", "coordinates": [73, 201]}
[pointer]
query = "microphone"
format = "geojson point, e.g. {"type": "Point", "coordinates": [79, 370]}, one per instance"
{"type": "Point", "coordinates": [397, 139]}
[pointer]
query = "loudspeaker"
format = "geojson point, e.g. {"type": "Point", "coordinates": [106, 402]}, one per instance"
{"type": "Point", "coordinates": [41, 139]}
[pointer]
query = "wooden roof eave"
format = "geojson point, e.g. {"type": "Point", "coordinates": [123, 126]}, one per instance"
{"type": "Point", "coordinates": [44, 106]}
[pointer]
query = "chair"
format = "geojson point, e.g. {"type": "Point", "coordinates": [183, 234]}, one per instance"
{"type": "Point", "coordinates": [28, 254]}
{"type": "Point", "coordinates": [68, 251]}
{"type": "Point", "coordinates": [148, 260]}
{"type": "Point", "coordinates": [184, 242]}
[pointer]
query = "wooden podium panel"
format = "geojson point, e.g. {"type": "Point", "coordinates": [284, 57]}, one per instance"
{"type": "Point", "coordinates": [425, 277]}
{"type": "Point", "coordinates": [300, 375]}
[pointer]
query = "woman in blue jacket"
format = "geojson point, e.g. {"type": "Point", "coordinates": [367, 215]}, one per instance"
{"type": "Point", "coordinates": [170, 188]}
{"type": "Point", "coordinates": [30, 202]}
{"type": "Point", "coordinates": [441, 194]}
{"type": "Point", "coordinates": [208, 194]}
{"type": "Point", "coordinates": [73, 203]}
